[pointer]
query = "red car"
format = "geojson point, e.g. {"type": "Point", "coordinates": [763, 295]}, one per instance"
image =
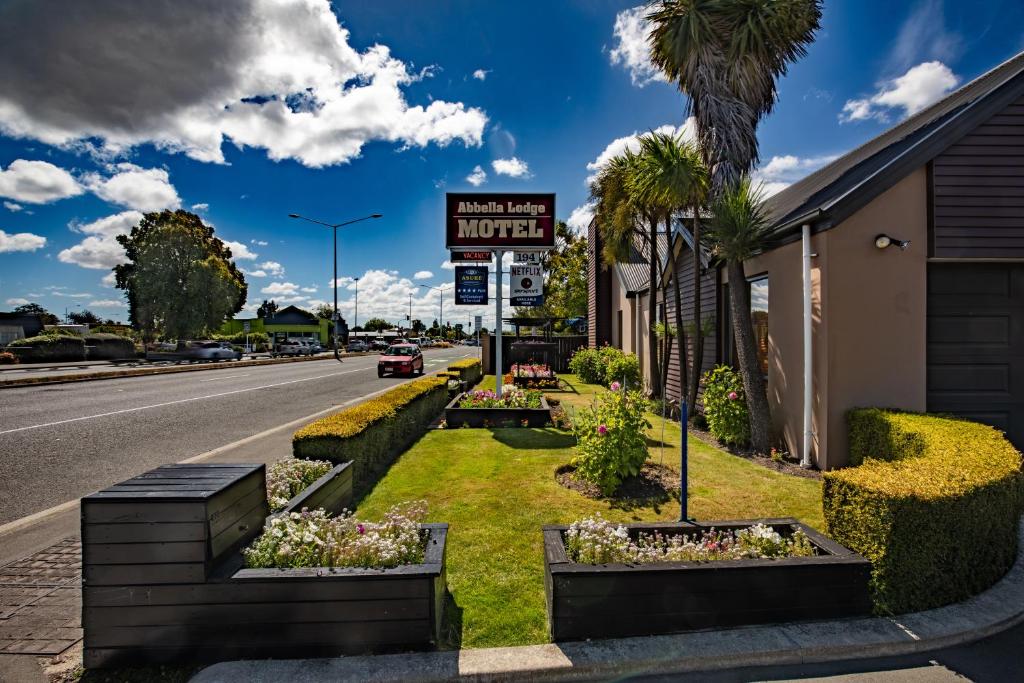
{"type": "Point", "coordinates": [400, 359]}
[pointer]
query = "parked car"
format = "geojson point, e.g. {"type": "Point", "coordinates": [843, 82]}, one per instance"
{"type": "Point", "coordinates": [379, 344]}
{"type": "Point", "coordinates": [236, 354]}
{"type": "Point", "coordinates": [211, 350]}
{"type": "Point", "coordinates": [403, 359]}
{"type": "Point", "coordinates": [470, 342]}
{"type": "Point", "coordinates": [425, 342]}
{"type": "Point", "coordinates": [315, 345]}
{"type": "Point", "coordinates": [291, 347]}
{"type": "Point", "coordinates": [357, 347]}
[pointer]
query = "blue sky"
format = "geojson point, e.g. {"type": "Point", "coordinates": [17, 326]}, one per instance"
{"type": "Point", "coordinates": [245, 113]}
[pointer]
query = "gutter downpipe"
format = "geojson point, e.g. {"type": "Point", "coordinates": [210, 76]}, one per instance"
{"type": "Point", "coordinates": [805, 456]}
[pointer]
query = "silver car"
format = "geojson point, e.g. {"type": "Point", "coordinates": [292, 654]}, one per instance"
{"type": "Point", "coordinates": [211, 350]}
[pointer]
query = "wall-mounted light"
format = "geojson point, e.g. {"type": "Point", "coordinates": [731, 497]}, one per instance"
{"type": "Point", "coordinates": [882, 241]}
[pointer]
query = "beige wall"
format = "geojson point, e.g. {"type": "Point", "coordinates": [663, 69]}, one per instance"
{"type": "Point", "coordinates": [869, 319]}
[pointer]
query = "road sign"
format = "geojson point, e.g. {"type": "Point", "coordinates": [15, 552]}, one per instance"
{"type": "Point", "coordinates": [478, 322]}
{"type": "Point", "coordinates": [470, 285]}
{"type": "Point", "coordinates": [245, 326]}
{"type": "Point", "coordinates": [471, 256]}
{"type": "Point", "coordinates": [527, 284]}
{"type": "Point", "coordinates": [487, 220]}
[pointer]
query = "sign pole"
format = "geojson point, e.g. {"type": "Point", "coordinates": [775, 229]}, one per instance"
{"type": "Point", "coordinates": [497, 324]}
{"type": "Point", "coordinates": [683, 464]}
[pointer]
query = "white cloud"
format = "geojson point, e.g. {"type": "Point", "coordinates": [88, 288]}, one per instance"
{"type": "Point", "coordinates": [447, 265]}
{"type": "Point", "coordinates": [200, 207]}
{"type": "Point", "coordinates": [782, 171]}
{"type": "Point", "coordinates": [109, 280]}
{"type": "Point", "coordinates": [924, 37]}
{"type": "Point", "coordinates": [17, 302]}
{"type": "Point", "coordinates": [514, 167]}
{"type": "Point", "coordinates": [919, 87]}
{"type": "Point", "coordinates": [134, 187]}
{"type": "Point", "coordinates": [272, 267]}
{"type": "Point", "coordinates": [281, 289]}
{"type": "Point", "coordinates": [259, 243]}
{"type": "Point", "coordinates": [240, 251]}
{"type": "Point", "coordinates": [481, 74]}
{"type": "Point", "coordinates": [630, 49]}
{"type": "Point", "coordinates": [100, 249]}
{"type": "Point", "coordinates": [11, 206]}
{"type": "Point", "coordinates": [688, 132]}
{"type": "Point", "coordinates": [309, 290]}
{"type": "Point", "coordinates": [20, 241]}
{"type": "Point", "coordinates": [579, 219]}
{"type": "Point", "coordinates": [422, 275]}
{"type": "Point", "coordinates": [278, 75]}
{"type": "Point", "coordinates": [108, 303]}
{"type": "Point", "coordinates": [35, 182]}
{"type": "Point", "coordinates": [478, 177]}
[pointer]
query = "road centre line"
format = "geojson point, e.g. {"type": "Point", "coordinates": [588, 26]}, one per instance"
{"type": "Point", "coordinates": [217, 379]}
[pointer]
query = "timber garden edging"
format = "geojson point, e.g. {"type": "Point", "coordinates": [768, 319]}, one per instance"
{"type": "Point", "coordinates": [618, 600]}
{"type": "Point", "coordinates": [455, 416]}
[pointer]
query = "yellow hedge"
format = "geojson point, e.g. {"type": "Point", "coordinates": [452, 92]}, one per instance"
{"type": "Point", "coordinates": [468, 370]}
{"type": "Point", "coordinates": [373, 433]}
{"type": "Point", "coordinates": [932, 501]}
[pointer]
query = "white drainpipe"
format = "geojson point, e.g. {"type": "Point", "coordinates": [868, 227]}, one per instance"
{"type": "Point", "coordinates": [805, 456]}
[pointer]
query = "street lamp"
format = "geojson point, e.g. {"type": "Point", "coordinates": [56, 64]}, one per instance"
{"type": "Point", "coordinates": [334, 227]}
{"type": "Point", "coordinates": [441, 316]}
{"type": "Point", "coordinates": [355, 324]}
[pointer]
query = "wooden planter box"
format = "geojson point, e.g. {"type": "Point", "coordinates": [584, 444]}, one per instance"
{"type": "Point", "coordinates": [536, 382]}
{"type": "Point", "coordinates": [617, 600]}
{"type": "Point", "coordinates": [496, 417]}
{"type": "Point", "coordinates": [332, 492]}
{"type": "Point", "coordinates": [163, 577]}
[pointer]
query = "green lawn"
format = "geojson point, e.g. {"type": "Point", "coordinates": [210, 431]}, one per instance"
{"type": "Point", "coordinates": [496, 488]}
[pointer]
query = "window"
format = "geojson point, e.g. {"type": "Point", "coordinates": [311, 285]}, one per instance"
{"type": "Point", "coordinates": [759, 319]}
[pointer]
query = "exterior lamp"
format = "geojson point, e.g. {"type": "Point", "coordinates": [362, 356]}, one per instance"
{"type": "Point", "coordinates": [882, 241]}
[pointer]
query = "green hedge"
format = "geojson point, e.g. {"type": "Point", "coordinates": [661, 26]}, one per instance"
{"type": "Point", "coordinates": [105, 346]}
{"type": "Point", "coordinates": [48, 347]}
{"type": "Point", "coordinates": [373, 433]}
{"type": "Point", "coordinates": [932, 501]}
{"type": "Point", "coordinates": [468, 369]}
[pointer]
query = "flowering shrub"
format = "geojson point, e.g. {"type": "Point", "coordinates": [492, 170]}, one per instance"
{"type": "Point", "coordinates": [610, 442]}
{"type": "Point", "coordinates": [725, 406]}
{"type": "Point", "coordinates": [289, 477]}
{"type": "Point", "coordinates": [586, 364]}
{"type": "Point", "coordinates": [511, 397]}
{"type": "Point", "coordinates": [623, 367]}
{"type": "Point", "coordinates": [532, 370]}
{"type": "Point", "coordinates": [597, 541]}
{"type": "Point", "coordinates": [313, 539]}
{"type": "Point", "coordinates": [605, 365]}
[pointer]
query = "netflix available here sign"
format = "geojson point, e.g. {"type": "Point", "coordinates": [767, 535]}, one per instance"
{"type": "Point", "coordinates": [484, 220]}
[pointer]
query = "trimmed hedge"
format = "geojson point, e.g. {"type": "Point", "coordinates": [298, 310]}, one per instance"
{"type": "Point", "coordinates": [105, 346]}
{"type": "Point", "coordinates": [372, 434]}
{"type": "Point", "coordinates": [932, 501]}
{"type": "Point", "coordinates": [469, 370]}
{"type": "Point", "coordinates": [48, 347]}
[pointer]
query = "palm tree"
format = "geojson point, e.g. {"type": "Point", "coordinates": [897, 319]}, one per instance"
{"type": "Point", "coordinates": [619, 210]}
{"type": "Point", "coordinates": [673, 178]}
{"type": "Point", "coordinates": [738, 227]}
{"type": "Point", "coordinates": [726, 56]}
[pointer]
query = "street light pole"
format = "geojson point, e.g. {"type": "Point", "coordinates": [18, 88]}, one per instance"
{"type": "Point", "coordinates": [441, 316]}
{"type": "Point", "coordinates": [334, 227]}
{"type": "Point", "coordinates": [355, 324]}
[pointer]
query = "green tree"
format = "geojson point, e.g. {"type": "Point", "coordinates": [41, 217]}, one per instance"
{"type": "Point", "coordinates": [179, 277]}
{"type": "Point", "coordinates": [324, 312]}
{"type": "Point", "coordinates": [266, 309]}
{"type": "Point", "coordinates": [36, 309]}
{"type": "Point", "coordinates": [726, 56]}
{"type": "Point", "coordinates": [84, 317]}
{"type": "Point", "coordinates": [565, 285]}
{"type": "Point", "coordinates": [376, 325]}
{"type": "Point", "coordinates": [417, 326]}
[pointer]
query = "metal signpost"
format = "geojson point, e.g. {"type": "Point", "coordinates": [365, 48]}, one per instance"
{"type": "Point", "coordinates": [478, 224]}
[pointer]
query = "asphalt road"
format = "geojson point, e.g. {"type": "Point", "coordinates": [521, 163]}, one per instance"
{"type": "Point", "coordinates": [60, 442]}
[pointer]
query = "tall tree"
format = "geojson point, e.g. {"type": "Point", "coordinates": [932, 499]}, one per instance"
{"type": "Point", "coordinates": [376, 325]}
{"type": "Point", "coordinates": [179, 277]}
{"type": "Point", "coordinates": [84, 317]}
{"type": "Point", "coordinates": [726, 56]}
{"type": "Point", "coordinates": [36, 309]}
{"type": "Point", "coordinates": [266, 309]}
{"type": "Point", "coordinates": [565, 282]}
{"type": "Point", "coordinates": [324, 312]}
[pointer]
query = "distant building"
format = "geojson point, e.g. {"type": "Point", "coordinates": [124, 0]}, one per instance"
{"type": "Point", "coordinates": [18, 326]}
{"type": "Point", "coordinates": [290, 322]}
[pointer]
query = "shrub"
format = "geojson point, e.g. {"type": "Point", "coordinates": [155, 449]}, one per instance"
{"type": "Point", "coordinates": [106, 346]}
{"type": "Point", "coordinates": [371, 434]}
{"type": "Point", "coordinates": [289, 477]}
{"type": "Point", "coordinates": [469, 370]}
{"type": "Point", "coordinates": [313, 539]}
{"type": "Point", "coordinates": [7, 358]}
{"type": "Point", "coordinates": [624, 368]}
{"type": "Point", "coordinates": [725, 406]}
{"type": "Point", "coordinates": [610, 444]}
{"type": "Point", "coordinates": [511, 397]}
{"type": "Point", "coordinates": [48, 347]}
{"type": "Point", "coordinates": [933, 502]}
{"type": "Point", "coordinates": [586, 364]}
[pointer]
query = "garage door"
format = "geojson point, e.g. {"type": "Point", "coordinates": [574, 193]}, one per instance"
{"type": "Point", "coordinates": [976, 343]}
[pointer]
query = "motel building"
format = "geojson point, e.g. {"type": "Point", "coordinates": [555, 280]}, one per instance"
{"type": "Point", "coordinates": [902, 262]}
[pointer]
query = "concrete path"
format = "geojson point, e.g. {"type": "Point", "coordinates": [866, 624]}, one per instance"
{"type": "Point", "coordinates": [996, 610]}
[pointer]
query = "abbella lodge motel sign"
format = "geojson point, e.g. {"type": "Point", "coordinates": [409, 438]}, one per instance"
{"type": "Point", "coordinates": [495, 222]}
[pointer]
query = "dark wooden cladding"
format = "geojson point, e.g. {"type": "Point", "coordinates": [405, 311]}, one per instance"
{"type": "Point", "coordinates": [163, 583]}
{"type": "Point", "coordinates": [978, 191]}
{"type": "Point", "coordinates": [599, 293]}
{"type": "Point", "coordinates": [709, 304]}
{"type": "Point", "coordinates": [616, 600]}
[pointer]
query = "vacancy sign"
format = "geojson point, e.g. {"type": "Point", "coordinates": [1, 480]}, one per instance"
{"type": "Point", "coordinates": [526, 279]}
{"type": "Point", "coordinates": [488, 220]}
{"type": "Point", "coordinates": [471, 256]}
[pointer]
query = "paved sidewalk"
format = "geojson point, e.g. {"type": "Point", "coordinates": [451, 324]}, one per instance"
{"type": "Point", "coordinates": [997, 609]}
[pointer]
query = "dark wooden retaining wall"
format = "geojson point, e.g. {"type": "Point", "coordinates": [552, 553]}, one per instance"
{"type": "Point", "coordinates": [496, 417]}
{"type": "Point", "coordinates": [332, 492]}
{"type": "Point", "coordinates": [616, 600]}
{"type": "Point", "coordinates": [163, 579]}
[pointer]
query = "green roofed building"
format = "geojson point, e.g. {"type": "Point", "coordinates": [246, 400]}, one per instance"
{"type": "Point", "coordinates": [290, 322]}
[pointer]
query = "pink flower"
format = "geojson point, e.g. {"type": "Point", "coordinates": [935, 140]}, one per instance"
{"type": "Point", "coordinates": [615, 386]}
{"type": "Point", "coordinates": [602, 430]}
{"type": "Point", "coordinates": [361, 528]}
{"type": "Point", "coordinates": [733, 396]}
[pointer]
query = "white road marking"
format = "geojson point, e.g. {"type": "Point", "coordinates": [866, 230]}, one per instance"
{"type": "Point", "coordinates": [181, 400]}
{"type": "Point", "coordinates": [216, 379]}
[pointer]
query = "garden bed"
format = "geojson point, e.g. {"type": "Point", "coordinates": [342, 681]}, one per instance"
{"type": "Point", "coordinates": [496, 417]}
{"type": "Point", "coordinates": [332, 492]}
{"type": "Point", "coordinates": [618, 600]}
